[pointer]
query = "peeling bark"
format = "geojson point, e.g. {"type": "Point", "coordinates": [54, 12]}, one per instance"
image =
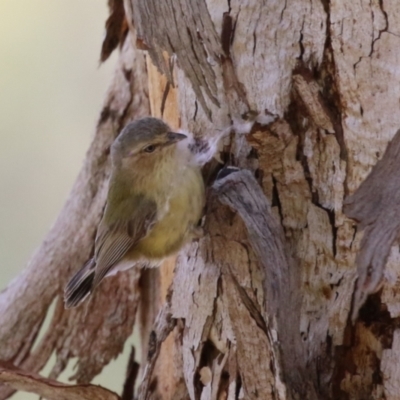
{"type": "Point", "coordinates": [284, 297]}
{"type": "Point", "coordinates": [52, 390]}
{"type": "Point", "coordinates": [375, 206]}
{"type": "Point", "coordinates": [96, 332]}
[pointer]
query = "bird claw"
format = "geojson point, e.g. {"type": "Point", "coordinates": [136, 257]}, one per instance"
{"type": "Point", "coordinates": [197, 233]}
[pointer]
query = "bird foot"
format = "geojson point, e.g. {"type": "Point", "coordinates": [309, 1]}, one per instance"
{"type": "Point", "coordinates": [197, 233]}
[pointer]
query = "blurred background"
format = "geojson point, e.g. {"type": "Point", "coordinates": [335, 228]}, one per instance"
{"type": "Point", "coordinates": [51, 92]}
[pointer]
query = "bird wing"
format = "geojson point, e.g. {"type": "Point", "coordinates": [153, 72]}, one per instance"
{"type": "Point", "coordinates": [114, 239]}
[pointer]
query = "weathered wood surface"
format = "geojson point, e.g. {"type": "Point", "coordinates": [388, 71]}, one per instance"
{"type": "Point", "coordinates": [50, 389]}
{"type": "Point", "coordinates": [376, 207]}
{"type": "Point", "coordinates": [307, 93]}
{"type": "Point", "coordinates": [96, 332]}
{"type": "Point", "coordinates": [315, 86]}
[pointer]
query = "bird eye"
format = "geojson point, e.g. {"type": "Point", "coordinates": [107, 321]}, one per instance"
{"type": "Point", "coordinates": [150, 148]}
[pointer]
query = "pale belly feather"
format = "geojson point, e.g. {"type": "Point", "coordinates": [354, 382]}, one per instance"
{"type": "Point", "coordinates": [183, 213]}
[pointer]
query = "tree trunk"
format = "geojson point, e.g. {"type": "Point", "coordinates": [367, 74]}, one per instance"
{"type": "Point", "coordinates": [286, 296]}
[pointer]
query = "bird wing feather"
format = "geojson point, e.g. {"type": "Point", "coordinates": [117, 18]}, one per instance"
{"type": "Point", "coordinates": [115, 239]}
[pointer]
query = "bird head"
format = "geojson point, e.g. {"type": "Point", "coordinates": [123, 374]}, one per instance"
{"type": "Point", "coordinates": [144, 141]}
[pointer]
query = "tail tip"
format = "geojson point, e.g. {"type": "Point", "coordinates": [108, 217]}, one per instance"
{"type": "Point", "coordinates": [78, 288]}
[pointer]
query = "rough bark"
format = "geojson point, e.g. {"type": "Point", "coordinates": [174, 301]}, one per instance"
{"type": "Point", "coordinates": [284, 297]}
{"type": "Point", "coordinates": [52, 390]}
{"type": "Point", "coordinates": [299, 78]}
{"type": "Point", "coordinates": [96, 332]}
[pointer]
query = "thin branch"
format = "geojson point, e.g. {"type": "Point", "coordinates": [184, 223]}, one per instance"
{"type": "Point", "coordinates": [50, 389]}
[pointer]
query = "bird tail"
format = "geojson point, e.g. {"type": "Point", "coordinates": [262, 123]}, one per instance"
{"type": "Point", "coordinates": [80, 286]}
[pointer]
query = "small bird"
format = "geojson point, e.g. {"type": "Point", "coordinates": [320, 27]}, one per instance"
{"type": "Point", "coordinates": [155, 200]}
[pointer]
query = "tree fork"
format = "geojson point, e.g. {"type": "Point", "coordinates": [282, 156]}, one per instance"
{"type": "Point", "coordinates": [307, 92]}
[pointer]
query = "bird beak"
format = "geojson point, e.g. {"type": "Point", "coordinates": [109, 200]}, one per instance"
{"type": "Point", "coordinates": [174, 137]}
